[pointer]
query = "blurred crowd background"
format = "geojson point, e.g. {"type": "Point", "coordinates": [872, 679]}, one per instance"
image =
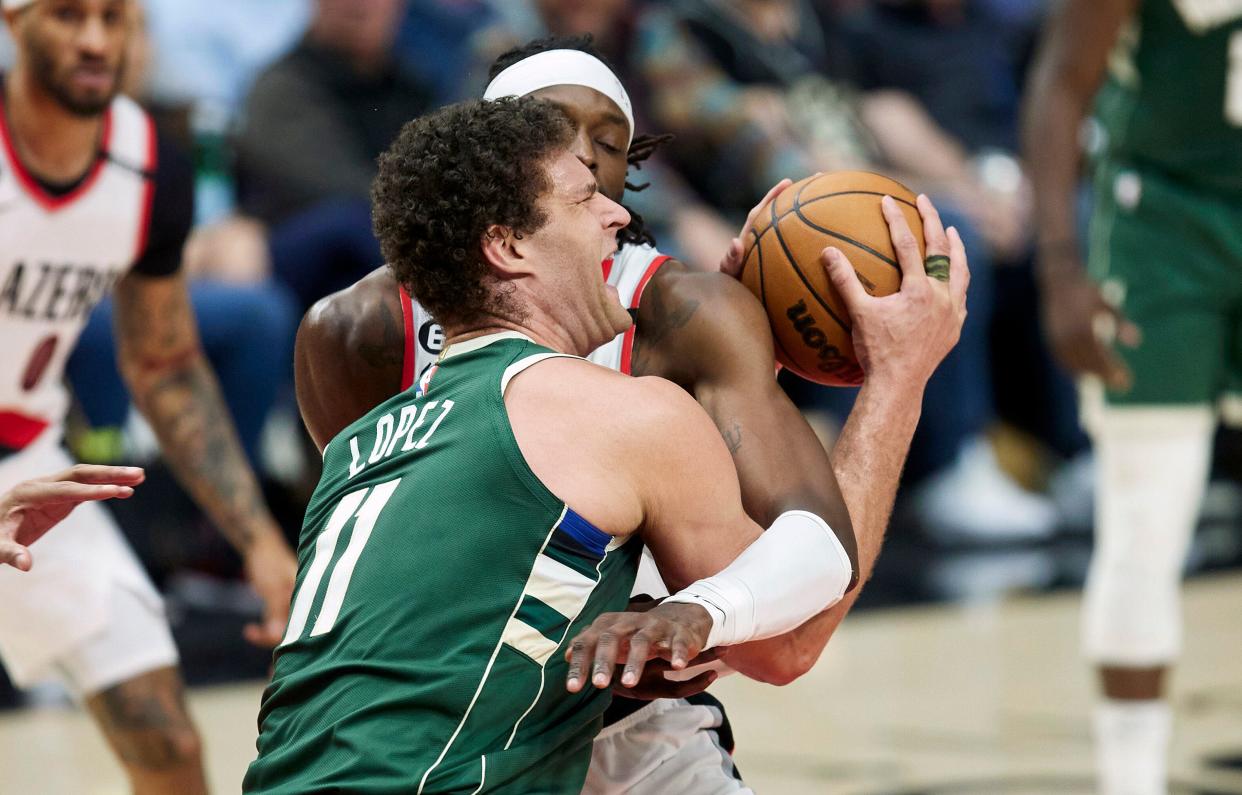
{"type": "Point", "coordinates": [284, 105]}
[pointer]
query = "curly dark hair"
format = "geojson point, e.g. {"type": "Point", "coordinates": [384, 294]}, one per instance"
{"type": "Point", "coordinates": [641, 148]}
{"type": "Point", "coordinates": [448, 177]}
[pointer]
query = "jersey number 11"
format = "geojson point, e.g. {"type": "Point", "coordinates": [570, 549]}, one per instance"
{"type": "Point", "coordinates": [325, 548]}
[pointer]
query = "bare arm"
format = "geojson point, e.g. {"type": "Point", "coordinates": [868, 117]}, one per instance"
{"type": "Point", "coordinates": [900, 341]}
{"type": "Point", "coordinates": [174, 387]}
{"type": "Point", "coordinates": [1064, 79]}
{"type": "Point", "coordinates": [349, 355]}
{"type": "Point", "coordinates": [1066, 76]}
{"type": "Point", "coordinates": [707, 333]}
{"type": "Point", "coordinates": [694, 522]}
{"type": "Point", "coordinates": [660, 465]}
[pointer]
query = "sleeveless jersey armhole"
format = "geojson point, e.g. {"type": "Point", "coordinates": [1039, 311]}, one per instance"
{"type": "Point", "coordinates": [584, 531]}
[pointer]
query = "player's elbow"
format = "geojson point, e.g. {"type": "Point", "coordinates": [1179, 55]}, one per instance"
{"type": "Point", "coordinates": [783, 672]}
{"type": "Point", "coordinates": [777, 666]}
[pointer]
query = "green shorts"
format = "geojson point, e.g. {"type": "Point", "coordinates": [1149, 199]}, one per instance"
{"type": "Point", "coordinates": [1172, 256]}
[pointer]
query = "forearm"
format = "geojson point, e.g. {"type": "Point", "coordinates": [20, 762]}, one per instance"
{"type": "Point", "coordinates": [1067, 73]}
{"type": "Point", "coordinates": [868, 459]}
{"type": "Point", "coordinates": [1051, 149]}
{"type": "Point", "coordinates": [911, 140]}
{"type": "Point", "coordinates": [183, 404]}
{"type": "Point", "coordinates": [867, 462]}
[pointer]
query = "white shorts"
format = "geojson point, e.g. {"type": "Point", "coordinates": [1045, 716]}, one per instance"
{"type": "Point", "coordinates": [670, 745]}
{"type": "Point", "coordinates": [87, 612]}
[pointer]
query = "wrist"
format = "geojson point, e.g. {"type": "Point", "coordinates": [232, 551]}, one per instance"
{"type": "Point", "coordinates": [897, 386]}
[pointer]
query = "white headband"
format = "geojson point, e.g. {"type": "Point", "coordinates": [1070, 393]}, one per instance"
{"type": "Point", "coordinates": [560, 68]}
{"type": "Point", "coordinates": [13, 5]}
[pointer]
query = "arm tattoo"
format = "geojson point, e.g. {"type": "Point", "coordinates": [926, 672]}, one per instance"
{"type": "Point", "coordinates": [173, 385]}
{"type": "Point", "coordinates": [187, 412]}
{"type": "Point", "coordinates": [391, 351]}
{"type": "Point", "coordinates": [662, 315]}
{"type": "Point", "coordinates": [732, 437]}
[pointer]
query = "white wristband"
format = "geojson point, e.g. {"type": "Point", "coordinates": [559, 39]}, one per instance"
{"type": "Point", "coordinates": [790, 574]}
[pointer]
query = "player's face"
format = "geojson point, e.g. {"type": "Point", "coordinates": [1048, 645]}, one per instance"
{"type": "Point", "coordinates": [580, 231]}
{"type": "Point", "coordinates": [75, 49]}
{"type": "Point", "coordinates": [601, 133]}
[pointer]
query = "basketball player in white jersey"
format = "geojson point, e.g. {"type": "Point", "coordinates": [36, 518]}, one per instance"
{"type": "Point", "coordinates": [708, 334]}
{"type": "Point", "coordinates": [91, 201]}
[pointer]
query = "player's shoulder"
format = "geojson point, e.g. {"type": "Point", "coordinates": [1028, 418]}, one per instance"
{"type": "Point", "coordinates": [695, 324]}
{"type": "Point", "coordinates": [632, 412]}
{"type": "Point", "coordinates": [366, 310]}
{"type": "Point", "coordinates": [606, 392]}
{"type": "Point", "coordinates": [357, 334]}
{"type": "Point", "coordinates": [715, 290]}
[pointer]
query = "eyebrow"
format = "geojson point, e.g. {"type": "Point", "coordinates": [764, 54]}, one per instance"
{"type": "Point", "coordinates": [617, 119]}
{"type": "Point", "coordinates": [587, 190]}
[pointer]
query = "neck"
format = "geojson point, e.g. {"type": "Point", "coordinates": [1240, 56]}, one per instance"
{"type": "Point", "coordinates": [52, 142]}
{"type": "Point", "coordinates": [540, 331]}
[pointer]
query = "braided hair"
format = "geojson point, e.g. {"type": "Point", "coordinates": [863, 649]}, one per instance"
{"type": "Point", "coordinates": [641, 147]}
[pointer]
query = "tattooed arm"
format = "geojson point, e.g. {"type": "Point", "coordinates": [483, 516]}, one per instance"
{"type": "Point", "coordinates": [349, 355]}
{"type": "Point", "coordinates": [174, 387]}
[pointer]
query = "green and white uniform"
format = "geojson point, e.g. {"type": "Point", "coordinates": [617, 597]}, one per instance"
{"type": "Point", "coordinates": [439, 582]}
{"type": "Point", "coordinates": [1166, 237]}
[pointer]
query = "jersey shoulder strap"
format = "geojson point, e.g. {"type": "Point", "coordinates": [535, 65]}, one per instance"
{"type": "Point", "coordinates": [407, 321]}
{"type": "Point", "coordinates": [525, 363]}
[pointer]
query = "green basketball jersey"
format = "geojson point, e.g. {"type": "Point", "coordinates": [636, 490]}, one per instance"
{"type": "Point", "coordinates": [439, 582]}
{"type": "Point", "coordinates": [1173, 98]}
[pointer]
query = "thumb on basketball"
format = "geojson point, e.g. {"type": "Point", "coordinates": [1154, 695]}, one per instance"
{"type": "Point", "coordinates": [841, 274]}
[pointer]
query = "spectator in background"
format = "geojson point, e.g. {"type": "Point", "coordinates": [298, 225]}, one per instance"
{"type": "Point", "coordinates": [210, 53]}
{"type": "Point", "coordinates": [688, 227]}
{"type": "Point", "coordinates": [436, 42]}
{"type": "Point", "coordinates": [315, 122]}
{"type": "Point", "coordinates": [747, 87]}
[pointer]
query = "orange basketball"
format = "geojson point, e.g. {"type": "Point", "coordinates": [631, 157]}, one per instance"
{"type": "Point", "coordinates": [782, 266]}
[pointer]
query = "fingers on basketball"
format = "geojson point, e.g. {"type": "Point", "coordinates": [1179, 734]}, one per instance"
{"type": "Point", "coordinates": [809, 315]}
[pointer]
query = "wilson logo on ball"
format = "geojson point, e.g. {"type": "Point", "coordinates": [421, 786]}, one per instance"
{"type": "Point", "coordinates": [831, 360]}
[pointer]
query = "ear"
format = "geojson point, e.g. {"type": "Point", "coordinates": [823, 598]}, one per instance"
{"type": "Point", "coordinates": [504, 252]}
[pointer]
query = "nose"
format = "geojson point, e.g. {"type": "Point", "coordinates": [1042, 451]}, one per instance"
{"type": "Point", "coordinates": [92, 36]}
{"type": "Point", "coordinates": [584, 149]}
{"type": "Point", "coordinates": [613, 217]}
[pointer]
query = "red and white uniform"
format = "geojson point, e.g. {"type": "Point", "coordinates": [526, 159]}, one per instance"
{"type": "Point", "coordinates": [59, 255]}
{"type": "Point", "coordinates": [629, 270]}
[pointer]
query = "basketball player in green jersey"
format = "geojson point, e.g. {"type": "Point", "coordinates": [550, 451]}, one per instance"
{"type": "Point", "coordinates": [464, 533]}
{"type": "Point", "coordinates": [705, 332]}
{"type": "Point", "coordinates": [1164, 256]}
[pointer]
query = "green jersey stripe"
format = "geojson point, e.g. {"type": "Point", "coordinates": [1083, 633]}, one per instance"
{"type": "Point", "coordinates": [547, 621]}
{"type": "Point", "coordinates": [487, 671]}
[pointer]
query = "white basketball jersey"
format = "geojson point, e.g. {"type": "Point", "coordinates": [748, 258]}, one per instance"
{"type": "Point", "coordinates": [629, 271]}
{"type": "Point", "coordinates": [59, 255]}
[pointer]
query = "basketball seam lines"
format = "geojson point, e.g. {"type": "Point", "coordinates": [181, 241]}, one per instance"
{"type": "Point", "coordinates": [801, 276]}
{"type": "Point", "coordinates": [799, 204]}
{"type": "Point", "coordinates": [763, 298]}
{"type": "Point", "coordinates": [856, 243]}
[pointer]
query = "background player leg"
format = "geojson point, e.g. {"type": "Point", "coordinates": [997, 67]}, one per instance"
{"type": "Point", "coordinates": [1152, 468]}
{"type": "Point", "coordinates": [146, 723]}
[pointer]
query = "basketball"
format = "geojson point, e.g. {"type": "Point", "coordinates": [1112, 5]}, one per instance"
{"type": "Point", "coordinates": [810, 325]}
